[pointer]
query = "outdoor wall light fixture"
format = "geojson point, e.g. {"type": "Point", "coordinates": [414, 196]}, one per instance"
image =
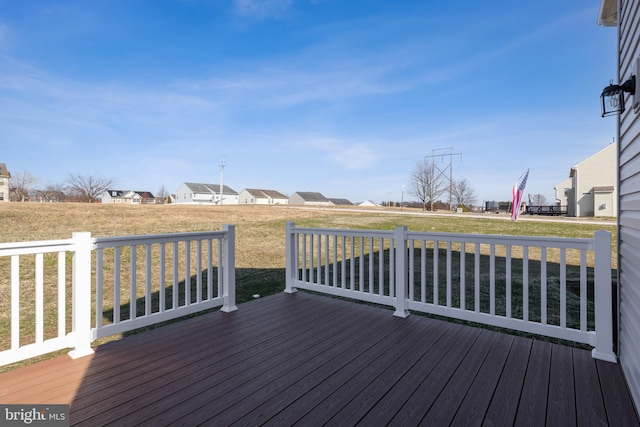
{"type": "Point", "coordinates": [612, 97]}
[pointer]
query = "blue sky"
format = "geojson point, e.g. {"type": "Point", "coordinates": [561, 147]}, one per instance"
{"type": "Point", "coordinates": [340, 97]}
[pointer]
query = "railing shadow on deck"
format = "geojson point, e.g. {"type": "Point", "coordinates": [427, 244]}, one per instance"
{"type": "Point", "coordinates": [527, 284]}
{"type": "Point", "coordinates": [331, 276]}
{"type": "Point", "coordinates": [251, 283]}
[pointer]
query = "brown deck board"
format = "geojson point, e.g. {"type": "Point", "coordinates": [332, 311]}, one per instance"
{"type": "Point", "coordinates": [446, 405]}
{"type": "Point", "coordinates": [589, 403]}
{"type": "Point", "coordinates": [478, 397]}
{"type": "Point", "coordinates": [504, 403]}
{"type": "Point", "coordinates": [416, 407]}
{"type": "Point", "coordinates": [620, 411]}
{"type": "Point", "coordinates": [532, 410]}
{"type": "Point", "coordinates": [309, 360]}
{"type": "Point", "coordinates": [561, 407]}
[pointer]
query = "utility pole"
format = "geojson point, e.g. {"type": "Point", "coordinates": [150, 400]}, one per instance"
{"type": "Point", "coordinates": [442, 153]}
{"type": "Point", "coordinates": [223, 163]}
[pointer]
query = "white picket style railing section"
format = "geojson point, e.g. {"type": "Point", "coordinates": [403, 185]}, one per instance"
{"type": "Point", "coordinates": [455, 275]}
{"type": "Point", "coordinates": [196, 278]}
{"type": "Point", "coordinates": [214, 255]}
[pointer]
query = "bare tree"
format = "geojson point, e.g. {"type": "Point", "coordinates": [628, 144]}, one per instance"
{"type": "Point", "coordinates": [20, 186]}
{"type": "Point", "coordinates": [426, 184]}
{"type": "Point", "coordinates": [462, 193]}
{"type": "Point", "coordinates": [88, 188]}
{"type": "Point", "coordinates": [162, 195]}
{"type": "Point", "coordinates": [537, 200]}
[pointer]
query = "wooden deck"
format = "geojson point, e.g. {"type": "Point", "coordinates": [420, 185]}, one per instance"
{"type": "Point", "coordinates": [312, 360]}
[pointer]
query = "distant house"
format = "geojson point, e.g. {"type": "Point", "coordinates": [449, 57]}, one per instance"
{"type": "Point", "coordinates": [591, 189]}
{"type": "Point", "coordinates": [562, 190]}
{"type": "Point", "coordinates": [197, 193]}
{"type": "Point", "coordinates": [309, 199]}
{"type": "Point", "coordinates": [4, 183]}
{"type": "Point", "coordinates": [128, 197]}
{"type": "Point", "coordinates": [253, 196]}
{"type": "Point", "coordinates": [369, 203]}
{"type": "Point", "coordinates": [340, 202]}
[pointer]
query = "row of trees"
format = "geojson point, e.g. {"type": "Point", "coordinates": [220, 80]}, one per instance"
{"type": "Point", "coordinates": [23, 187]}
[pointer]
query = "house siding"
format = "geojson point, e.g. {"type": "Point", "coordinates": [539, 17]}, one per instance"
{"type": "Point", "coordinates": [629, 203]}
{"type": "Point", "coordinates": [591, 189]}
{"type": "Point", "coordinates": [4, 183]}
{"type": "Point", "coordinates": [563, 190]}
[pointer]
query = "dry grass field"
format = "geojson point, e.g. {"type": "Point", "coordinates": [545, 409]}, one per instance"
{"type": "Point", "coordinates": [260, 231]}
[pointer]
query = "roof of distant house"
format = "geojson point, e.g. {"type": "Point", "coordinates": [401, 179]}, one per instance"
{"type": "Point", "coordinates": [3, 171]}
{"type": "Point", "coordinates": [209, 188]}
{"type": "Point", "coordinates": [311, 196]}
{"type": "Point", "coordinates": [342, 202]}
{"type": "Point", "coordinates": [268, 194]}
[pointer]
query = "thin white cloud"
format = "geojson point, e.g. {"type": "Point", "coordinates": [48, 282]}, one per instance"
{"type": "Point", "coordinates": [262, 9]}
{"type": "Point", "coordinates": [348, 155]}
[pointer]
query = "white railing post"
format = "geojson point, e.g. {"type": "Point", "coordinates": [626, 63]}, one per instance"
{"type": "Point", "coordinates": [291, 252]}
{"type": "Point", "coordinates": [603, 298]}
{"type": "Point", "coordinates": [401, 306]}
{"type": "Point", "coordinates": [81, 296]}
{"type": "Point", "coordinates": [229, 269]}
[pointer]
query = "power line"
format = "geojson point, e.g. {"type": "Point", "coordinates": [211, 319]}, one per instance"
{"type": "Point", "coordinates": [442, 153]}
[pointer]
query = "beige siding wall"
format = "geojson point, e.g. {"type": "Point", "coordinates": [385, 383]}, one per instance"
{"type": "Point", "coordinates": [596, 171]}
{"type": "Point", "coordinates": [629, 199]}
{"type": "Point", "coordinates": [562, 190]}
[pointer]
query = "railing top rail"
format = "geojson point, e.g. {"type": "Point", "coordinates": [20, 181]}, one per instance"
{"type": "Point", "coordinates": [40, 246]}
{"type": "Point", "coordinates": [504, 239]}
{"type": "Point", "coordinates": [344, 232]}
{"type": "Point", "coordinates": [556, 242]}
{"type": "Point", "coordinates": [108, 242]}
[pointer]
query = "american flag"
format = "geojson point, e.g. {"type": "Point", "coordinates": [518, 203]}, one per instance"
{"type": "Point", "coordinates": [516, 195]}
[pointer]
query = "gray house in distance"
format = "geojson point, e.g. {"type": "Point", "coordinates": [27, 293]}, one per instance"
{"type": "Point", "coordinates": [197, 193]}
{"type": "Point", "coordinates": [309, 199]}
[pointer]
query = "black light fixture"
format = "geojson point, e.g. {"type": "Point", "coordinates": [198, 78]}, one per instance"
{"type": "Point", "coordinates": [612, 97]}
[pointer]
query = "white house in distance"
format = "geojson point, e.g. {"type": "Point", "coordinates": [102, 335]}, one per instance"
{"type": "Point", "coordinates": [369, 203]}
{"type": "Point", "coordinates": [591, 189]}
{"type": "Point", "coordinates": [129, 197]}
{"type": "Point", "coordinates": [309, 198]}
{"type": "Point", "coordinates": [197, 193]}
{"type": "Point", "coordinates": [4, 183]}
{"type": "Point", "coordinates": [253, 196]}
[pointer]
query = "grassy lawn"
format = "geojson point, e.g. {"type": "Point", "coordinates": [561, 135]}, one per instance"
{"type": "Point", "coordinates": [260, 232]}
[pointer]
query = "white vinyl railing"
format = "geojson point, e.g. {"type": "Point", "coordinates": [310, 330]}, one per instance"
{"type": "Point", "coordinates": [177, 275]}
{"type": "Point", "coordinates": [556, 287]}
{"type": "Point", "coordinates": [181, 274]}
